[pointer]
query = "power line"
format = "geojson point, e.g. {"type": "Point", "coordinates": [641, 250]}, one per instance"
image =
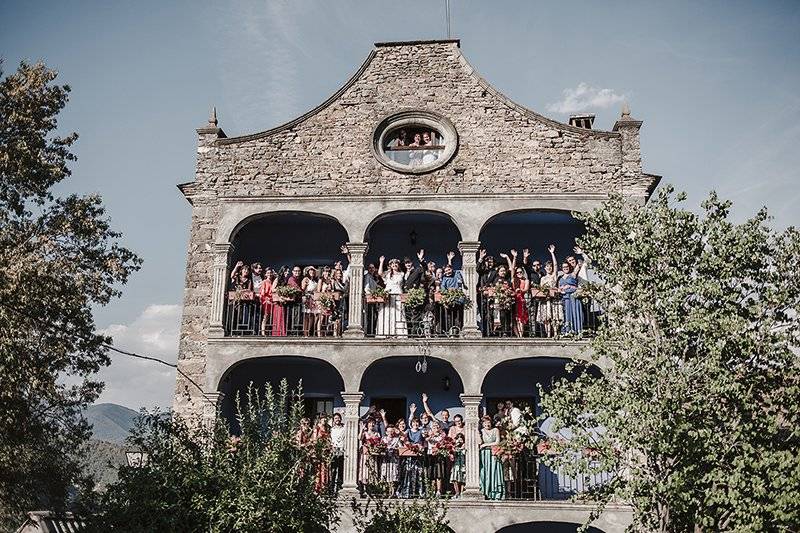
{"type": "Point", "coordinates": [112, 348]}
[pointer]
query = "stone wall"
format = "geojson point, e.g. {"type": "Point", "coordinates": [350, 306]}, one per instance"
{"type": "Point", "coordinates": [503, 148]}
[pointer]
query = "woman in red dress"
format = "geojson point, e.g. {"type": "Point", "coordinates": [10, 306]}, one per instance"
{"type": "Point", "coordinates": [520, 283]}
{"type": "Point", "coordinates": [265, 293]}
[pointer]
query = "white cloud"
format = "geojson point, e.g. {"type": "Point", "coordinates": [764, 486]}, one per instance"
{"type": "Point", "coordinates": [584, 97]}
{"type": "Point", "coordinates": [134, 382]}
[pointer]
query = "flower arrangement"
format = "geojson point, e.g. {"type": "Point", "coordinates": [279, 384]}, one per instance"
{"type": "Point", "coordinates": [409, 448]}
{"type": "Point", "coordinates": [326, 302]}
{"type": "Point", "coordinates": [503, 296]}
{"type": "Point", "coordinates": [445, 447]}
{"type": "Point", "coordinates": [241, 295]}
{"type": "Point", "coordinates": [287, 293]}
{"type": "Point", "coordinates": [508, 449]}
{"type": "Point", "coordinates": [414, 298]}
{"type": "Point", "coordinates": [455, 298]}
{"type": "Point", "coordinates": [378, 295]}
{"type": "Point", "coordinates": [375, 446]}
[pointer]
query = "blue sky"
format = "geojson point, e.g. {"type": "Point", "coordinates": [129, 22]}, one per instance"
{"type": "Point", "coordinates": [716, 84]}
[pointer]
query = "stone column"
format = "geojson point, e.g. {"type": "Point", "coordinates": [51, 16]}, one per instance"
{"type": "Point", "coordinates": [469, 250]}
{"type": "Point", "coordinates": [472, 442]}
{"type": "Point", "coordinates": [211, 404]}
{"type": "Point", "coordinates": [355, 327]}
{"type": "Point", "coordinates": [352, 401]}
{"type": "Point", "coordinates": [219, 285]}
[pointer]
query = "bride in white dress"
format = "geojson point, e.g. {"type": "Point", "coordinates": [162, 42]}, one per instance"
{"type": "Point", "coordinates": [391, 318]}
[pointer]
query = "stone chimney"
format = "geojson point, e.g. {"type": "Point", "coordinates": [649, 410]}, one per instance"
{"type": "Point", "coordinates": [628, 129]}
{"type": "Point", "coordinates": [582, 121]}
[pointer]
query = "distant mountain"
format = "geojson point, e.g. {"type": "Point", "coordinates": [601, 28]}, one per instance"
{"type": "Point", "coordinates": [111, 422]}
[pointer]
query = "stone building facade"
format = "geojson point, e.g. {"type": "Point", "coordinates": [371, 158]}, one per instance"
{"type": "Point", "coordinates": [499, 158]}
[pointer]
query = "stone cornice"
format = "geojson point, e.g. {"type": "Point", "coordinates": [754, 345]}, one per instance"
{"type": "Point", "coordinates": [414, 197]}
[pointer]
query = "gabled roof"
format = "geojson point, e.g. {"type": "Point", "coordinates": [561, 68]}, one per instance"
{"type": "Point", "coordinates": [464, 64]}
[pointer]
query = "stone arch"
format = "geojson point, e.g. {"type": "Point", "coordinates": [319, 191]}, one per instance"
{"type": "Point", "coordinates": [234, 217]}
{"type": "Point", "coordinates": [533, 228]}
{"type": "Point", "coordinates": [283, 237]}
{"type": "Point", "coordinates": [546, 527]}
{"type": "Point", "coordinates": [402, 232]}
{"type": "Point", "coordinates": [396, 378]}
{"type": "Point", "coordinates": [320, 379]}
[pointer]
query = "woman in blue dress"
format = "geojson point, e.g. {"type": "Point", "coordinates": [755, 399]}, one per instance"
{"type": "Point", "coordinates": [573, 310]}
{"type": "Point", "coordinates": [493, 485]}
{"type": "Point", "coordinates": [412, 464]}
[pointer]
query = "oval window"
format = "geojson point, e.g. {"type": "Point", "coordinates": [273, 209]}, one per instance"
{"type": "Point", "coordinates": [414, 142]}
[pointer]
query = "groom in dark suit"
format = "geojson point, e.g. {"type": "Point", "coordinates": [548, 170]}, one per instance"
{"type": "Point", "coordinates": [414, 278]}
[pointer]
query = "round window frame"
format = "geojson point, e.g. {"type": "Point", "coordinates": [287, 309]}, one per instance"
{"type": "Point", "coordinates": [415, 118]}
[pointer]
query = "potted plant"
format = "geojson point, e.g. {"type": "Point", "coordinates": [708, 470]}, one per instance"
{"type": "Point", "coordinates": [378, 295]}
{"type": "Point", "coordinates": [413, 298]}
{"type": "Point", "coordinates": [286, 294]}
{"type": "Point", "coordinates": [455, 298]}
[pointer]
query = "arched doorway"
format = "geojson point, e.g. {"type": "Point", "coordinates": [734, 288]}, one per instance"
{"type": "Point", "coordinates": [287, 244]}
{"type": "Point", "coordinates": [394, 383]}
{"type": "Point", "coordinates": [321, 383]}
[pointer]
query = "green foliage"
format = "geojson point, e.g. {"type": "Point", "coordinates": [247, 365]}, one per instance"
{"type": "Point", "coordinates": [198, 477]}
{"type": "Point", "coordinates": [59, 259]}
{"type": "Point", "coordinates": [378, 515]}
{"type": "Point", "coordinates": [415, 298]}
{"type": "Point", "coordinates": [695, 415]}
{"type": "Point", "coordinates": [456, 298]}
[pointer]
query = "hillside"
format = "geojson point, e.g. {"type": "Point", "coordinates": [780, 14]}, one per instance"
{"type": "Point", "coordinates": [111, 422]}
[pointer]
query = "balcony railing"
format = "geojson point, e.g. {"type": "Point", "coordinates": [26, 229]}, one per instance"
{"type": "Point", "coordinates": [536, 314]}
{"type": "Point", "coordinates": [525, 478]}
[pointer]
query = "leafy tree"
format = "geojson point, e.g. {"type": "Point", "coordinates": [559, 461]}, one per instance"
{"type": "Point", "coordinates": [198, 477]}
{"type": "Point", "coordinates": [58, 260]}
{"type": "Point", "coordinates": [378, 515]}
{"type": "Point", "coordinates": [695, 415]}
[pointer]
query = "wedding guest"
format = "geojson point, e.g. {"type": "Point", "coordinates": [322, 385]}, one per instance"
{"type": "Point", "coordinates": [339, 289]}
{"type": "Point", "coordinates": [390, 466]}
{"type": "Point", "coordinates": [458, 473]}
{"type": "Point", "coordinates": [322, 314]}
{"type": "Point", "coordinates": [444, 415]}
{"type": "Point", "coordinates": [520, 285]}
{"type": "Point", "coordinates": [322, 439]}
{"type": "Point", "coordinates": [294, 310]}
{"type": "Point", "coordinates": [550, 310]}
{"type": "Point", "coordinates": [240, 277]}
{"type": "Point", "coordinates": [437, 464]}
{"type": "Point", "coordinates": [573, 310]}
{"type": "Point", "coordinates": [337, 452]}
{"type": "Point", "coordinates": [368, 467]}
{"type": "Point", "coordinates": [265, 296]}
{"type": "Point", "coordinates": [309, 287]}
{"type": "Point", "coordinates": [412, 469]}
{"type": "Point", "coordinates": [492, 483]}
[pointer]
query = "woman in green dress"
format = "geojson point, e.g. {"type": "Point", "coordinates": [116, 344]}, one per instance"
{"type": "Point", "coordinates": [493, 485]}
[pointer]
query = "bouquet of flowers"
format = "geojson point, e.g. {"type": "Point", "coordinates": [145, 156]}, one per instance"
{"type": "Point", "coordinates": [454, 298]}
{"type": "Point", "coordinates": [414, 298]}
{"type": "Point", "coordinates": [375, 446]}
{"type": "Point", "coordinates": [508, 449]}
{"type": "Point", "coordinates": [326, 302]}
{"type": "Point", "coordinates": [241, 295]}
{"type": "Point", "coordinates": [503, 296]}
{"type": "Point", "coordinates": [445, 447]}
{"type": "Point", "coordinates": [287, 293]}
{"type": "Point", "coordinates": [378, 295]}
{"type": "Point", "coordinates": [409, 448]}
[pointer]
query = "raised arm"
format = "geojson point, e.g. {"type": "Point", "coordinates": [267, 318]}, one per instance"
{"type": "Point", "coordinates": [552, 250]}
{"type": "Point", "coordinates": [481, 266]}
{"type": "Point", "coordinates": [380, 265]}
{"type": "Point", "coordinates": [411, 410]}
{"type": "Point", "coordinates": [236, 269]}
{"type": "Point", "coordinates": [425, 405]}
{"type": "Point", "coordinates": [508, 260]}
{"type": "Point", "coordinates": [450, 256]}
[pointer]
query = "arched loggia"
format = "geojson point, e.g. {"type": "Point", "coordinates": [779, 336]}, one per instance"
{"type": "Point", "coordinates": [546, 527]}
{"type": "Point", "coordinates": [322, 384]}
{"type": "Point", "coordinates": [403, 233]}
{"type": "Point", "coordinates": [517, 381]}
{"type": "Point", "coordinates": [285, 238]}
{"type": "Point", "coordinates": [532, 229]}
{"type": "Point", "coordinates": [394, 383]}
